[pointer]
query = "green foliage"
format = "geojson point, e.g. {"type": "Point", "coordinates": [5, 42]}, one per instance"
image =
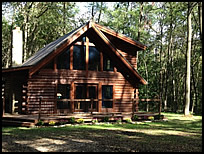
{"type": "Point", "coordinates": [118, 120]}
{"type": "Point", "coordinates": [128, 120]}
{"type": "Point", "coordinates": [40, 123]}
{"type": "Point", "coordinates": [106, 119]}
{"type": "Point", "coordinates": [62, 121]}
{"type": "Point", "coordinates": [151, 118]}
{"type": "Point", "coordinates": [80, 121]}
{"type": "Point", "coordinates": [51, 123]}
{"type": "Point", "coordinates": [95, 120]}
{"type": "Point", "coordinates": [72, 120]}
{"type": "Point", "coordinates": [135, 118]}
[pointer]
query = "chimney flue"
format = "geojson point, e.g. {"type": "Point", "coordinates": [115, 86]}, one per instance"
{"type": "Point", "coordinates": [17, 48]}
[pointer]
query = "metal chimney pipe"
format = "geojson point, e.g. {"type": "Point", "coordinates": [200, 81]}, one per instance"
{"type": "Point", "coordinates": [17, 49]}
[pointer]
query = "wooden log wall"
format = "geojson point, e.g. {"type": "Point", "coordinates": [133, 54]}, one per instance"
{"type": "Point", "coordinates": [44, 84]}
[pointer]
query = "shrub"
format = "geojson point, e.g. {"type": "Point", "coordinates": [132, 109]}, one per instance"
{"type": "Point", "coordinates": [72, 120]}
{"type": "Point", "coordinates": [40, 123]}
{"type": "Point", "coordinates": [106, 119]}
{"type": "Point", "coordinates": [128, 120]}
{"type": "Point", "coordinates": [118, 120]}
{"type": "Point", "coordinates": [158, 117]}
{"type": "Point", "coordinates": [135, 118]}
{"type": "Point", "coordinates": [95, 120]}
{"type": "Point", "coordinates": [62, 121]}
{"type": "Point", "coordinates": [52, 123]}
{"type": "Point", "coordinates": [151, 118]}
{"type": "Point", "coordinates": [80, 121]}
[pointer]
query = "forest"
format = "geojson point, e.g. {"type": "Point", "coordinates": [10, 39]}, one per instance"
{"type": "Point", "coordinates": [172, 32]}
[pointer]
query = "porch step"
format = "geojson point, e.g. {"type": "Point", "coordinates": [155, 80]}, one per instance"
{"type": "Point", "coordinates": [19, 119]}
{"type": "Point", "coordinates": [15, 123]}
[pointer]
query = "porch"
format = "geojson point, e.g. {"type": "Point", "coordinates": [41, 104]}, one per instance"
{"type": "Point", "coordinates": [31, 120]}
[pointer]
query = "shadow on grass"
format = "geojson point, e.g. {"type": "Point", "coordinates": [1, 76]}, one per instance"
{"type": "Point", "coordinates": [93, 139]}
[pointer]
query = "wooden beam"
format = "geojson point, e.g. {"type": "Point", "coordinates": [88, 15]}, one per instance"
{"type": "Point", "coordinates": [101, 61]}
{"type": "Point", "coordinates": [117, 55]}
{"type": "Point", "coordinates": [81, 43]}
{"type": "Point", "coordinates": [99, 96]}
{"type": "Point", "coordinates": [113, 98]}
{"type": "Point", "coordinates": [87, 56]}
{"type": "Point", "coordinates": [55, 103]}
{"type": "Point", "coordinates": [4, 70]}
{"type": "Point", "coordinates": [120, 36]}
{"type": "Point", "coordinates": [71, 57]}
{"type": "Point", "coordinates": [72, 97]}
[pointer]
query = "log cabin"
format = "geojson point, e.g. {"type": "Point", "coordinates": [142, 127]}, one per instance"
{"type": "Point", "coordinates": [90, 62]}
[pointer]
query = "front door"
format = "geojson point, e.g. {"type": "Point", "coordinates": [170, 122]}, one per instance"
{"type": "Point", "coordinates": [85, 91]}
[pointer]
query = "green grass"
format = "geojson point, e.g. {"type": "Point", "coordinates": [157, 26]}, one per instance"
{"type": "Point", "coordinates": [177, 134]}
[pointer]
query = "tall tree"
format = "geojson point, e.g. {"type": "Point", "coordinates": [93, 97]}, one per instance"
{"type": "Point", "coordinates": [188, 61]}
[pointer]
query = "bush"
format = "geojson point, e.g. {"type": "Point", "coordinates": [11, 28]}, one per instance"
{"type": "Point", "coordinates": [135, 118]}
{"type": "Point", "coordinates": [62, 121]}
{"type": "Point", "coordinates": [95, 120]}
{"type": "Point", "coordinates": [118, 120]}
{"type": "Point", "coordinates": [80, 121]}
{"type": "Point", "coordinates": [40, 123]}
{"type": "Point", "coordinates": [128, 120]}
{"type": "Point", "coordinates": [151, 118]}
{"type": "Point", "coordinates": [158, 117]}
{"type": "Point", "coordinates": [106, 119]}
{"type": "Point", "coordinates": [51, 123]}
{"type": "Point", "coordinates": [72, 120]}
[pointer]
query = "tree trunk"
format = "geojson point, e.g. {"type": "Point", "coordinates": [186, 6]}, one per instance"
{"type": "Point", "coordinates": [99, 16]}
{"type": "Point", "coordinates": [64, 18]}
{"type": "Point", "coordinates": [200, 18]}
{"type": "Point", "coordinates": [187, 103]}
{"type": "Point", "coordinates": [140, 21]}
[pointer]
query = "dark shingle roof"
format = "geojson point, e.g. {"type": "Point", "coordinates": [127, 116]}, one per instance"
{"type": "Point", "coordinates": [43, 52]}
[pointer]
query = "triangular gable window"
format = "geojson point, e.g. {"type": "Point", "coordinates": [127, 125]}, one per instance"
{"type": "Point", "coordinates": [79, 59]}
{"type": "Point", "coordinates": [63, 60]}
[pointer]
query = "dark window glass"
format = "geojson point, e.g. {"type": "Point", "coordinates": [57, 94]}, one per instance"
{"type": "Point", "coordinates": [94, 59]}
{"type": "Point", "coordinates": [49, 65]}
{"type": "Point", "coordinates": [107, 93]}
{"type": "Point", "coordinates": [63, 92]}
{"type": "Point", "coordinates": [92, 94]}
{"type": "Point", "coordinates": [107, 63]}
{"type": "Point", "coordinates": [80, 94]}
{"type": "Point", "coordinates": [63, 60]}
{"type": "Point", "coordinates": [79, 57]}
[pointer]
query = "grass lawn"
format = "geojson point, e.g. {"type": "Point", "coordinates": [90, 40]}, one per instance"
{"type": "Point", "coordinates": [178, 134]}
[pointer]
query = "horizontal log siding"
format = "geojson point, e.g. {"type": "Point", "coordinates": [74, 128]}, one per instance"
{"type": "Point", "coordinates": [130, 57]}
{"type": "Point", "coordinates": [44, 83]}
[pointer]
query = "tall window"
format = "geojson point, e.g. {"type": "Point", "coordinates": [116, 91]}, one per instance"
{"type": "Point", "coordinates": [63, 60]}
{"type": "Point", "coordinates": [94, 59]}
{"type": "Point", "coordinates": [49, 65]}
{"type": "Point", "coordinates": [107, 93]}
{"type": "Point", "coordinates": [79, 58]}
{"type": "Point", "coordinates": [107, 63]}
{"type": "Point", "coordinates": [63, 92]}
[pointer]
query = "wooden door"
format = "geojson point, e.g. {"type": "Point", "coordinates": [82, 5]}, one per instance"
{"type": "Point", "coordinates": [85, 91]}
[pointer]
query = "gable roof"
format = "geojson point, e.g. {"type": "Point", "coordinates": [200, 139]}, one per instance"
{"type": "Point", "coordinates": [43, 52]}
{"type": "Point", "coordinates": [47, 53]}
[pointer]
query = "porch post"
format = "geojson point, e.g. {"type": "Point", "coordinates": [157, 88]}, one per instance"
{"type": "Point", "coordinates": [72, 97]}
{"type": "Point", "coordinates": [99, 96]}
{"type": "Point", "coordinates": [137, 100]}
{"type": "Point", "coordinates": [3, 98]}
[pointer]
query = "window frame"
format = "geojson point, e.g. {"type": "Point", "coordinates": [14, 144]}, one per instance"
{"type": "Point", "coordinates": [107, 104]}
